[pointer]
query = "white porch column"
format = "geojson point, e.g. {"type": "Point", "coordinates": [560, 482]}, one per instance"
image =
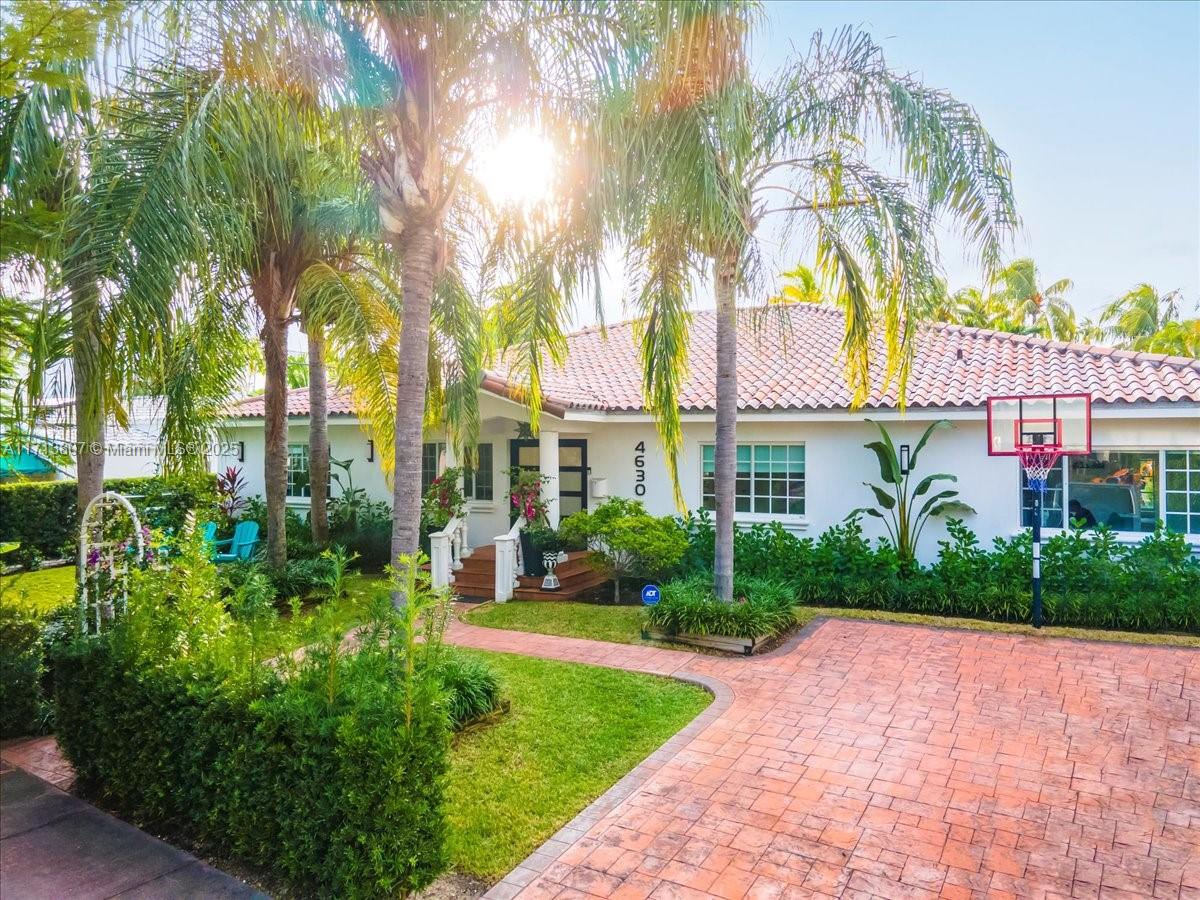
{"type": "Point", "coordinates": [548, 467]}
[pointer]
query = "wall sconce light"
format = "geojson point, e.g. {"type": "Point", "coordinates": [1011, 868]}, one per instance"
{"type": "Point", "coordinates": [241, 451]}
{"type": "Point", "coordinates": [370, 450]}
{"type": "Point", "coordinates": [904, 459]}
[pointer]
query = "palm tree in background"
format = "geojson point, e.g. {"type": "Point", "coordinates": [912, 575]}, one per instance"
{"type": "Point", "coordinates": [1042, 309]}
{"type": "Point", "coordinates": [801, 286]}
{"type": "Point", "coordinates": [1138, 314]}
{"type": "Point", "coordinates": [714, 152]}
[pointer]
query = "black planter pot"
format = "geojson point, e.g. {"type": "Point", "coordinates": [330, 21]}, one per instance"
{"type": "Point", "coordinates": [531, 556]}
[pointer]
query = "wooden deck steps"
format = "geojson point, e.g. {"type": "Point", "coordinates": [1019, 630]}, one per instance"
{"type": "Point", "coordinates": [477, 578]}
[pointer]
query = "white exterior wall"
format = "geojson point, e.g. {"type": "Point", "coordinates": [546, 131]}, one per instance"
{"type": "Point", "coordinates": [836, 462]}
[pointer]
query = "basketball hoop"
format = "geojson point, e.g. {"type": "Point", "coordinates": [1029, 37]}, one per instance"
{"type": "Point", "coordinates": [1038, 429]}
{"type": "Point", "coordinates": [1038, 463]}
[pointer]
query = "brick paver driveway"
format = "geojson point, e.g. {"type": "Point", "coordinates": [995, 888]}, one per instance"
{"type": "Point", "coordinates": [879, 760]}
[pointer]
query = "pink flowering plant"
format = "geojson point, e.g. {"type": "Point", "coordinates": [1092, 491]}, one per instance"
{"type": "Point", "coordinates": [525, 494]}
{"type": "Point", "coordinates": [443, 501]}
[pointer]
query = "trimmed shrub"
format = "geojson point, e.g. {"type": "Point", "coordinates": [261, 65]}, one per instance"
{"type": "Point", "coordinates": [472, 688]}
{"type": "Point", "coordinates": [689, 606]}
{"type": "Point", "coordinates": [1089, 579]}
{"type": "Point", "coordinates": [326, 771]}
{"type": "Point", "coordinates": [43, 515]}
{"type": "Point", "coordinates": [23, 707]}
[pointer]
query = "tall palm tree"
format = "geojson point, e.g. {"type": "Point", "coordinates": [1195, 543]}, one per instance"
{"type": "Point", "coordinates": [1138, 314]}
{"type": "Point", "coordinates": [1042, 309]}
{"type": "Point", "coordinates": [432, 82]}
{"type": "Point", "coordinates": [716, 152]}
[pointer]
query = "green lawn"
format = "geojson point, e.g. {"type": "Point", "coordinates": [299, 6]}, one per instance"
{"type": "Point", "coordinates": [39, 591]}
{"type": "Point", "coordinates": [46, 589]}
{"type": "Point", "coordinates": [616, 624]}
{"type": "Point", "coordinates": [621, 624]}
{"type": "Point", "coordinates": [573, 731]}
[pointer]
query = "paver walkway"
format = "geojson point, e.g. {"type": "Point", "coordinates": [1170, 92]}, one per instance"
{"type": "Point", "coordinates": [875, 760]}
{"type": "Point", "coordinates": [54, 845]}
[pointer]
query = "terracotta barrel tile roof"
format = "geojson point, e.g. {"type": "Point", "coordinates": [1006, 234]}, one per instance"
{"type": "Point", "coordinates": [789, 358]}
{"type": "Point", "coordinates": [297, 404]}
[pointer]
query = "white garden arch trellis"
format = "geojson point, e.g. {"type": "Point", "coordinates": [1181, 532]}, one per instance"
{"type": "Point", "coordinates": [96, 603]}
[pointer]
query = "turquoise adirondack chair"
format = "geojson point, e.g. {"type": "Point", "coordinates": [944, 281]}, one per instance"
{"type": "Point", "coordinates": [241, 545]}
{"type": "Point", "coordinates": [209, 534]}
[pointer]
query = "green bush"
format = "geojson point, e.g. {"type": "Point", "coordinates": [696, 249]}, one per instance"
{"type": "Point", "coordinates": [43, 515]}
{"type": "Point", "coordinates": [23, 707]}
{"type": "Point", "coordinates": [472, 688]}
{"type": "Point", "coordinates": [626, 541]}
{"type": "Point", "coordinates": [1089, 579]}
{"type": "Point", "coordinates": [688, 605]}
{"type": "Point", "coordinates": [326, 771]}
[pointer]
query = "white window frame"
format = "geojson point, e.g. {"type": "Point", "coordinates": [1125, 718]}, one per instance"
{"type": "Point", "coordinates": [792, 520]}
{"type": "Point", "coordinates": [1125, 537]}
{"type": "Point", "coordinates": [308, 470]}
{"type": "Point", "coordinates": [472, 501]}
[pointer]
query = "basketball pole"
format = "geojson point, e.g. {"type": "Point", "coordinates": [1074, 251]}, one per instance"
{"type": "Point", "coordinates": [1037, 556]}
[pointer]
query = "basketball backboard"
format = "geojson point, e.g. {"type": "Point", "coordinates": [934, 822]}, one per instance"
{"type": "Point", "coordinates": [1040, 422]}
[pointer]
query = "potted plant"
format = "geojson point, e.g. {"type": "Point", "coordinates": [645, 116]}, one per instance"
{"type": "Point", "coordinates": [442, 502]}
{"type": "Point", "coordinates": [536, 541]}
{"type": "Point", "coordinates": [525, 497]}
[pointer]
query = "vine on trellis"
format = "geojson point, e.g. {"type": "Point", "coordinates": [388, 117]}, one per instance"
{"type": "Point", "coordinates": [112, 540]}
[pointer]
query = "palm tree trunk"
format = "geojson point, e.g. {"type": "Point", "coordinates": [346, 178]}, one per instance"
{"type": "Point", "coordinates": [89, 393]}
{"type": "Point", "coordinates": [725, 450]}
{"type": "Point", "coordinates": [268, 291]}
{"type": "Point", "coordinates": [416, 248]}
{"type": "Point", "coordinates": [318, 435]}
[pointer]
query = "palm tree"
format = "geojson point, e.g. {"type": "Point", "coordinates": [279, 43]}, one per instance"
{"type": "Point", "coordinates": [1044, 310]}
{"type": "Point", "coordinates": [801, 286]}
{"type": "Point", "coordinates": [715, 152]}
{"type": "Point", "coordinates": [431, 82]}
{"type": "Point", "coordinates": [1137, 315]}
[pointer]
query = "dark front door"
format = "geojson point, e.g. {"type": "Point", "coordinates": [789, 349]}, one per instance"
{"type": "Point", "coordinates": [572, 470]}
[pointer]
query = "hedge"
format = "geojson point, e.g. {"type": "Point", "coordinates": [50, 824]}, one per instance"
{"type": "Point", "coordinates": [44, 515]}
{"type": "Point", "coordinates": [324, 769]}
{"type": "Point", "coordinates": [1089, 579]}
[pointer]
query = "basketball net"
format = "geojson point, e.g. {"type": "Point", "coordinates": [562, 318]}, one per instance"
{"type": "Point", "coordinates": [1037, 463]}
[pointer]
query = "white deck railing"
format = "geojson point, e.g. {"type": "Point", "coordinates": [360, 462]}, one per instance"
{"type": "Point", "coordinates": [508, 560]}
{"type": "Point", "coordinates": [447, 549]}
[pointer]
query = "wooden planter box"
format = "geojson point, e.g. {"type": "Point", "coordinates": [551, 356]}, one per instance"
{"type": "Point", "coordinates": [745, 646]}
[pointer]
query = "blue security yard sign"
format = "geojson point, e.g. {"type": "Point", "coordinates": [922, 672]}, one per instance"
{"type": "Point", "coordinates": [651, 594]}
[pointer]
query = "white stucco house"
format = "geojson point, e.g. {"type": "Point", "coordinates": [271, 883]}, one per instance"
{"type": "Point", "coordinates": [801, 459]}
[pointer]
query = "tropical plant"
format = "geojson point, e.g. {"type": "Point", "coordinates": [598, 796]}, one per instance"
{"type": "Point", "coordinates": [688, 606]}
{"type": "Point", "coordinates": [525, 495]}
{"type": "Point", "coordinates": [334, 579]}
{"type": "Point", "coordinates": [1144, 319]}
{"type": "Point", "coordinates": [626, 541]}
{"type": "Point", "coordinates": [715, 151]}
{"type": "Point", "coordinates": [898, 508]}
{"type": "Point", "coordinates": [297, 371]}
{"type": "Point", "coordinates": [443, 501]}
{"type": "Point", "coordinates": [1044, 310]}
{"type": "Point", "coordinates": [231, 490]}
{"type": "Point", "coordinates": [802, 287]}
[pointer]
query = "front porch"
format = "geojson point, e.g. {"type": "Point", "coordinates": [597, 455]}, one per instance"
{"type": "Point", "coordinates": [478, 554]}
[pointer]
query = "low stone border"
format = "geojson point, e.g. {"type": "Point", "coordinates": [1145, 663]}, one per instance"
{"type": "Point", "coordinates": [548, 853]}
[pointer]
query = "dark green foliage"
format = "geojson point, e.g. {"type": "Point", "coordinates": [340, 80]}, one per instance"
{"type": "Point", "coordinates": [472, 688]}
{"type": "Point", "coordinates": [326, 771]}
{"type": "Point", "coordinates": [43, 515]}
{"type": "Point", "coordinates": [23, 708]}
{"type": "Point", "coordinates": [301, 578]}
{"type": "Point", "coordinates": [689, 606]}
{"type": "Point", "coordinates": [626, 541]}
{"type": "Point", "coordinates": [1088, 578]}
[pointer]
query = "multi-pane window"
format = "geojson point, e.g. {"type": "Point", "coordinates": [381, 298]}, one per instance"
{"type": "Point", "coordinates": [1125, 490]}
{"type": "Point", "coordinates": [1052, 500]}
{"type": "Point", "coordinates": [431, 455]}
{"type": "Point", "coordinates": [1182, 491]}
{"type": "Point", "coordinates": [297, 472]}
{"type": "Point", "coordinates": [1117, 488]}
{"type": "Point", "coordinates": [770, 479]}
{"type": "Point", "coordinates": [477, 481]}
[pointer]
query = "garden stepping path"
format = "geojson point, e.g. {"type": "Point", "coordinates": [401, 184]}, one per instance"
{"type": "Point", "coordinates": [876, 760]}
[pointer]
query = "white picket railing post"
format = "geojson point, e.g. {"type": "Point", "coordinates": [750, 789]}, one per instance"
{"type": "Point", "coordinates": [505, 575]}
{"type": "Point", "coordinates": [439, 559]}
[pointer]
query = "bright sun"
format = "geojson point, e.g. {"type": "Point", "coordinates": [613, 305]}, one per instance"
{"type": "Point", "coordinates": [519, 169]}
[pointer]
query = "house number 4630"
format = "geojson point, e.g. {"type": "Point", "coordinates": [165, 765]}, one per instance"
{"type": "Point", "coordinates": [639, 469]}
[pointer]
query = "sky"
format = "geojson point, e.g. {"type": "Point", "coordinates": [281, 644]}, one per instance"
{"type": "Point", "coordinates": [1097, 104]}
